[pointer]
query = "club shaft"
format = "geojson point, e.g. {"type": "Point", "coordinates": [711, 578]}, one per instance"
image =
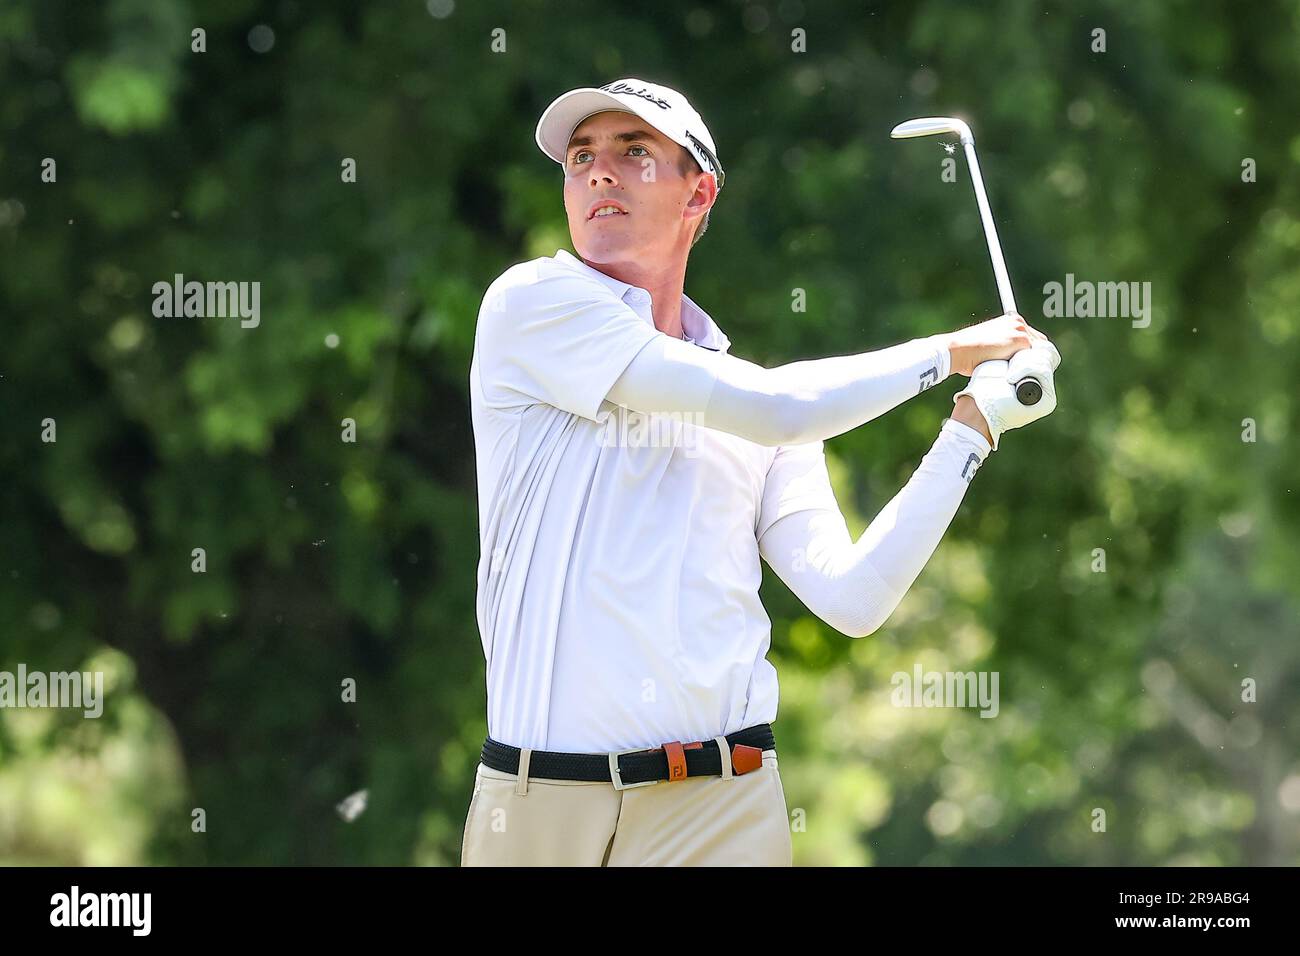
{"type": "Point", "coordinates": [990, 233]}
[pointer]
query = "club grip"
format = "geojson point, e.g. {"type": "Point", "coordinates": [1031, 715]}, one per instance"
{"type": "Point", "coordinates": [1029, 391]}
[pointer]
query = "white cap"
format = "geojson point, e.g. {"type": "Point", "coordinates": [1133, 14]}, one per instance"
{"type": "Point", "coordinates": [663, 108]}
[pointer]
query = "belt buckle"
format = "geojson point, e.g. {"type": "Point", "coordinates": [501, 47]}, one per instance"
{"type": "Point", "coordinates": [616, 775]}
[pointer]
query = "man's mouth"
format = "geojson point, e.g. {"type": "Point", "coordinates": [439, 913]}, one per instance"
{"type": "Point", "coordinates": [606, 209]}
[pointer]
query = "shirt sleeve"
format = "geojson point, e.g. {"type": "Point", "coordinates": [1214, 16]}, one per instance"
{"type": "Point", "coordinates": [855, 586]}
{"type": "Point", "coordinates": [560, 339]}
{"type": "Point", "coordinates": [796, 481]}
{"type": "Point", "coordinates": [797, 403]}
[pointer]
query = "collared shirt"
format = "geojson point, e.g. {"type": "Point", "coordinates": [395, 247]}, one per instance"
{"type": "Point", "coordinates": [619, 567]}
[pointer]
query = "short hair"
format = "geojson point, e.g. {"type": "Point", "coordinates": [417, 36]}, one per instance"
{"type": "Point", "coordinates": [686, 164]}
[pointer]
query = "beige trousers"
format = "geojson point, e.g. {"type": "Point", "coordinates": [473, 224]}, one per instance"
{"type": "Point", "coordinates": [517, 820]}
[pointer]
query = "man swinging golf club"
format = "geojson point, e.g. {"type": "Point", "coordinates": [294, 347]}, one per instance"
{"type": "Point", "coordinates": [630, 700]}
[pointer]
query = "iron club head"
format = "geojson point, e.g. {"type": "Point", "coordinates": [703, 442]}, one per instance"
{"type": "Point", "coordinates": [933, 126]}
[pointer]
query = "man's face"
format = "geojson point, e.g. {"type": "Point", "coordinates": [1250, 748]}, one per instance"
{"type": "Point", "coordinates": [618, 156]}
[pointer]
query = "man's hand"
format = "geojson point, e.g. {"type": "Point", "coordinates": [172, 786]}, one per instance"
{"type": "Point", "coordinates": [992, 387]}
{"type": "Point", "coordinates": [998, 338]}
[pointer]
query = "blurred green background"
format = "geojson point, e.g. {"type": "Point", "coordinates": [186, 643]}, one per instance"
{"type": "Point", "coordinates": [1120, 690]}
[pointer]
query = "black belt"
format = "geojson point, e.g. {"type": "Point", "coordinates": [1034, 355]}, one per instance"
{"type": "Point", "coordinates": [670, 761]}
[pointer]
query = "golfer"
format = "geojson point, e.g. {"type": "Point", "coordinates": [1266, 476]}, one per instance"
{"type": "Point", "coordinates": [631, 474]}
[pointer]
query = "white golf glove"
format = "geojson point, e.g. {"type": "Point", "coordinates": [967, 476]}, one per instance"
{"type": "Point", "coordinates": [993, 387]}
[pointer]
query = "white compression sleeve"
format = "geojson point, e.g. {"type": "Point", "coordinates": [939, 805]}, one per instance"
{"type": "Point", "coordinates": [855, 587]}
{"type": "Point", "coordinates": [791, 404]}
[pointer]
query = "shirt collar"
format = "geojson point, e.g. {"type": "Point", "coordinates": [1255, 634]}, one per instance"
{"type": "Point", "coordinates": [696, 323]}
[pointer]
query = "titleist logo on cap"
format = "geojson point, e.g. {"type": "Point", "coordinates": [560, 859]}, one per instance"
{"type": "Point", "coordinates": [643, 93]}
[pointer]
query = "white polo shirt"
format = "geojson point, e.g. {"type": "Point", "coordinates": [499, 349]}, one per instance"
{"type": "Point", "coordinates": [619, 568]}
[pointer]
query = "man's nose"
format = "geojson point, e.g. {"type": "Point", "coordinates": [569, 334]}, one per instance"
{"type": "Point", "coordinates": [602, 171]}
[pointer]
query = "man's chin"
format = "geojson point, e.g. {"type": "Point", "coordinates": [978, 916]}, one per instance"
{"type": "Point", "coordinates": [605, 249]}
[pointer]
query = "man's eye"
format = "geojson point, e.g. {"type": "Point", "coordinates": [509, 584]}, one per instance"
{"type": "Point", "coordinates": [577, 157]}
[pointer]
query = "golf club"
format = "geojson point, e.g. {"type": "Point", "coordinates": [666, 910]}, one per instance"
{"type": "Point", "coordinates": [1028, 390]}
